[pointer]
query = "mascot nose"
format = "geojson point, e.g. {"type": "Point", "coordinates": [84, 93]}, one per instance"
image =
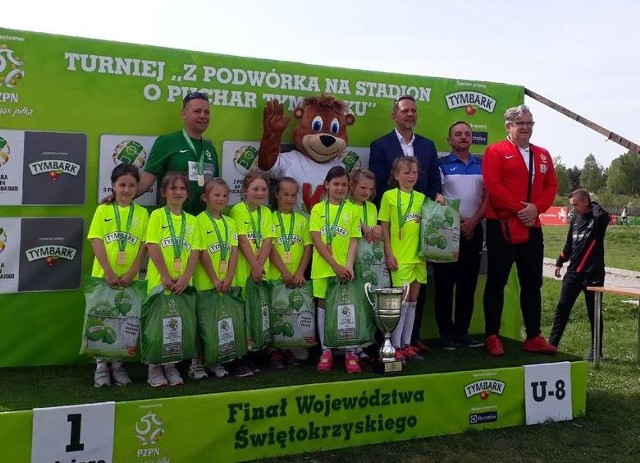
{"type": "Point", "coordinates": [327, 140]}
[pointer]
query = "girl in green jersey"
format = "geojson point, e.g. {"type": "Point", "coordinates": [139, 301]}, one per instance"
{"type": "Point", "coordinates": [335, 228]}
{"type": "Point", "coordinates": [400, 214]}
{"type": "Point", "coordinates": [118, 260]}
{"type": "Point", "coordinates": [174, 243]}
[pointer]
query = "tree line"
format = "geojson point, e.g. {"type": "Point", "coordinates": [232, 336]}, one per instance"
{"type": "Point", "coordinates": [615, 186]}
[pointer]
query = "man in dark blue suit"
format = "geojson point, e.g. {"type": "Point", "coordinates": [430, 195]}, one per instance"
{"type": "Point", "coordinates": [403, 141]}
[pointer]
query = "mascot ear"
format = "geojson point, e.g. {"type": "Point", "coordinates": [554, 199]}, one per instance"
{"type": "Point", "coordinates": [349, 119]}
{"type": "Point", "coordinates": [298, 113]}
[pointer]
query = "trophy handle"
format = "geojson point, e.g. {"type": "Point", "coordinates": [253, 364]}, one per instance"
{"type": "Point", "coordinates": [367, 290]}
{"type": "Point", "coordinates": [406, 287]}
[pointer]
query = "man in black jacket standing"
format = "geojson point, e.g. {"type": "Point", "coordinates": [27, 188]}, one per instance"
{"type": "Point", "coordinates": [584, 250]}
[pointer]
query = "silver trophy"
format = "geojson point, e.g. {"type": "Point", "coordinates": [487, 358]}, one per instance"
{"type": "Point", "coordinates": [387, 307]}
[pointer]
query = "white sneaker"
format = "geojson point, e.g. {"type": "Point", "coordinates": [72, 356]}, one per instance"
{"type": "Point", "coordinates": [196, 370]}
{"type": "Point", "coordinates": [101, 376]}
{"type": "Point", "coordinates": [173, 375]}
{"type": "Point", "coordinates": [156, 376]}
{"type": "Point", "coordinates": [219, 371]}
{"type": "Point", "coordinates": [119, 374]}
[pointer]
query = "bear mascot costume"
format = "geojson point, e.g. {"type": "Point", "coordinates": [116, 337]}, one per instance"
{"type": "Point", "coordinates": [320, 139]}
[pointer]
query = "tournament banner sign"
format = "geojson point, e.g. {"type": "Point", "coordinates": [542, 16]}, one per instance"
{"type": "Point", "coordinates": [251, 424]}
{"type": "Point", "coordinates": [71, 109]}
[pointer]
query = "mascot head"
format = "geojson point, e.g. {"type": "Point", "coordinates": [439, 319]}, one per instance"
{"type": "Point", "coordinates": [321, 133]}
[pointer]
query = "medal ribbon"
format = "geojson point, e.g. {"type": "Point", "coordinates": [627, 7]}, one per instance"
{"type": "Point", "coordinates": [403, 217]}
{"type": "Point", "coordinates": [287, 237]}
{"type": "Point", "coordinates": [257, 231]}
{"type": "Point", "coordinates": [193, 148]}
{"type": "Point", "coordinates": [177, 244]}
{"type": "Point", "coordinates": [122, 237]}
{"type": "Point", "coordinates": [331, 229]}
{"type": "Point", "coordinates": [224, 245]}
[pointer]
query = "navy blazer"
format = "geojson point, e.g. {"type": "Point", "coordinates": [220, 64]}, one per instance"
{"type": "Point", "coordinates": [385, 149]}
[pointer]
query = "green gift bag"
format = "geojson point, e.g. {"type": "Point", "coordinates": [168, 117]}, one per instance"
{"type": "Point", "coordinates": [293, 316]}
{"type": "Point", "coordinates": [168, 326]}
{"type": "Point", "coordinates": [348, 317]}
{"type": "Point", "coordinates": [221, 325]}
{"type": "Point", "coordinates": [370, 264]}
{"type": "Point", "coordinates": [256, 315]}
{"type": "Point", "coordinates": [112, 318]}
{"type": "Point", "coordinates": [440, 231]}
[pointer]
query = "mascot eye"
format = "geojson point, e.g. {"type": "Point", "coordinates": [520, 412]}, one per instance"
{"type": "Point", "coordinates": [335, 126]}
{"type": "Point", "coordinates": [316, 123]}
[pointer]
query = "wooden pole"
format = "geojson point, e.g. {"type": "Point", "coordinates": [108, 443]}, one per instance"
{"type": "Point", "coordinates": [614, 137]}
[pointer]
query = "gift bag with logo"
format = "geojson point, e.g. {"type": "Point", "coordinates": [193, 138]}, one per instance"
{"type": "Point", "coordinates": [370, 264]}
{"type": "Point", "coordinates": [112, 318]}
{"type": "Point", "coordinates": [221, 325]}
{"type": "Point", "coordinates": [168, 326]}
{"type": "Point", "coordinates": [348, 317]}
{"type": "Point", "coordinates": [293, 316]}
{"type": "Point", "coordinates": [440, 231]}
{"type": "Point", "coordinates": [256, 315]}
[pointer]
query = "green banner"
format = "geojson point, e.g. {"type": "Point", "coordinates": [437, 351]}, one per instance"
{"type": "Point", "coordinates": [73, 108]}
{"type": "Point", "coordinates": [251, 424]}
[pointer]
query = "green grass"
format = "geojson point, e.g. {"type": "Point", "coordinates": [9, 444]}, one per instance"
{"type": "Point", "coordinates": [621, 245]}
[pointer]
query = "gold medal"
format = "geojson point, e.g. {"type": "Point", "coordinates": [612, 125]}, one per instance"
{"type": "Point", "coordinates": [122, 258]}
{"type": "Point", "coordinates": [287, 257]}
{"type": "Point", "coordinates": [200, 180]}
{"type": "Point", "coordinates": [223, 267]}
{"type": "Point", "coordinates": [177, 264]}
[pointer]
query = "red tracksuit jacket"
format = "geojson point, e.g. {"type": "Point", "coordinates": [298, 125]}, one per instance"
{"type": "Point", "coordinates": [506, 178]}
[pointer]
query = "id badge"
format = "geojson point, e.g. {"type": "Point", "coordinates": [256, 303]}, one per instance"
{"type": "Point", "coordinates": [177, 264]}
{"type": "Point", "coordinates": [287, 257]}
{"type": "Point", "coordinates": [200, 180]}
{"type": "Point", "coordinates": [122, 258]}
{"type": "Point", "coordinates": [224, 266]}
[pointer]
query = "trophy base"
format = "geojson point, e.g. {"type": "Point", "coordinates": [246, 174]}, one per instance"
{"type": "Point", "coordinates": [386, 368]}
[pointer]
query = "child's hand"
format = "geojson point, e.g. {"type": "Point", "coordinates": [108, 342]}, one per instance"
{"type": "Point", "coordinates": [111, 278]}
{"type": "Point", "coordinates": [167, 282]}
{"type": "Point", "coordinates": [343, 273]}
{"type": "Point", "coordinates": [374, 234]}
{"type": "Point", "coordinates": [299, 279]}
{"type": "Point", "coordinates": [126, 279]}
{"type": "Point", "coordinates": [257, 273]}
{"type": "Point", "coordinates": [392, 262]}
{"type": "Point", "coordinates": [226, 285]}
{"type": "Point", "coordinates": [180, 285]}
{"type": "Point", "coordinates": [217, 284]}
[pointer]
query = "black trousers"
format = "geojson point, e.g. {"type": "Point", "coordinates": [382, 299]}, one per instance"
{"type": "Point", "coordinates": [528, 258]}
{"type": "Point", "coordinates": [572, 285]}
{"type": "Point", "coordinates": [463, 276]}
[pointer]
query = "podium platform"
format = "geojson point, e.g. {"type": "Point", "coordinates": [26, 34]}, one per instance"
{"type": "Point", "coordinates": [240, 419]}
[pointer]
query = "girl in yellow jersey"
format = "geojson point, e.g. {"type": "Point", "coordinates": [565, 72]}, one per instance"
{"type": "Point", "coordinates": [291, 251]}
{"type": "Point", "coordinates": [174, 243]}
{"type": "Point", "coordinates": [219, 257]}
{"type": "Point", "coordinates": [335, 229]}
{"type": "Point", "coordinates": [255, 234]}
{"type": "Point", "coordinates": [362, 187]}
{"type": "Point", "coordinates": [400, 213]}
{"type": "Point", "coordinates": [117, 239]}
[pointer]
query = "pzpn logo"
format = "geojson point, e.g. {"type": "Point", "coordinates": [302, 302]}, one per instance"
{"type": "Point", "coordinates": [10, 67]}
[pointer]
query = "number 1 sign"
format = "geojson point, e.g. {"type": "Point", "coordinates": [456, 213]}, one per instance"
{"type": "Point", "coordinates": [73, 434]}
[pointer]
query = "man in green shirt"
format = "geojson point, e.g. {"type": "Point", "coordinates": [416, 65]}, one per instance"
{"type": "Point", "coordinates": [185, 151]}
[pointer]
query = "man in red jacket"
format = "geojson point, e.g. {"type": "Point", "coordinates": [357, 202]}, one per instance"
{"type": "Point", "coordinates": [521, 184]}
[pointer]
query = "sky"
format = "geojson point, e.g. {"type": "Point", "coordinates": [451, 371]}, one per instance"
{"type": "Point", "coordinates": [583, 55]}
